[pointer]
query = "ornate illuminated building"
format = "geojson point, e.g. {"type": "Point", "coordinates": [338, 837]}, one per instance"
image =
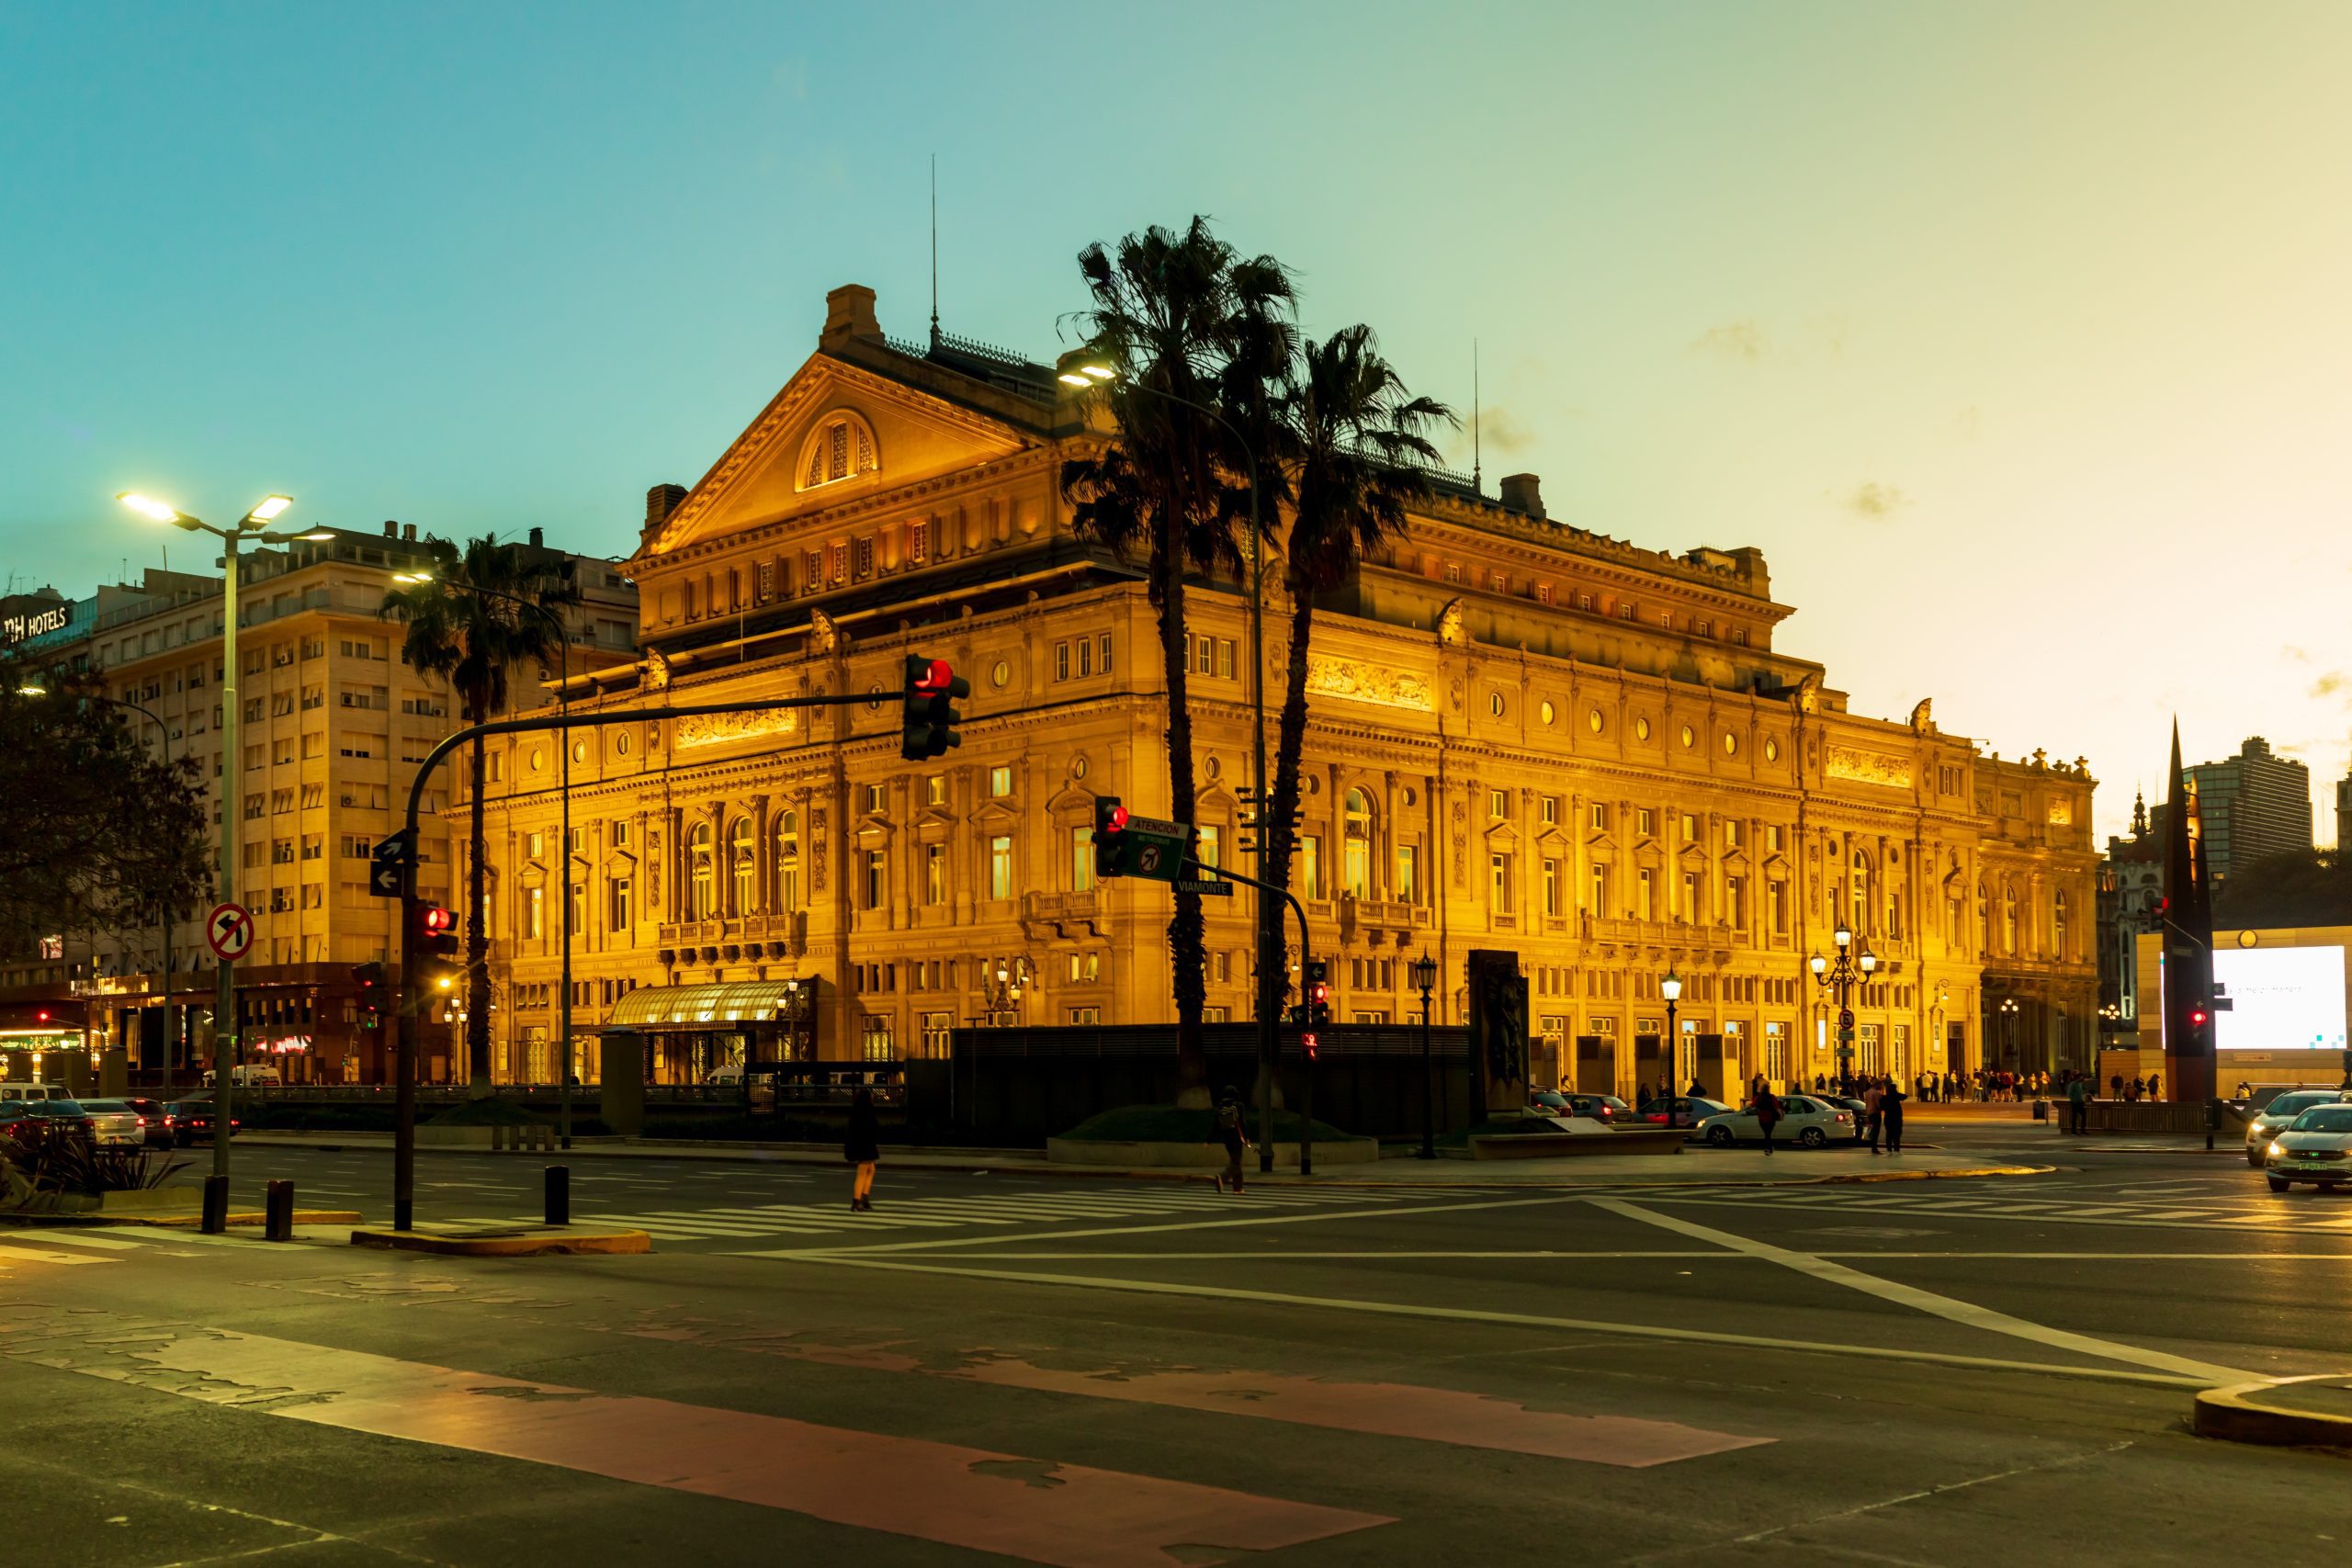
{"type": "Point", "coordinates": [1524, 734]}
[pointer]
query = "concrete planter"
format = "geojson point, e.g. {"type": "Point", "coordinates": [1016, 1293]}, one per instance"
{"type": "Point", "coordinates": [1567, 1145]}
{"type": "Point", "coordinates": [1200, 1156]}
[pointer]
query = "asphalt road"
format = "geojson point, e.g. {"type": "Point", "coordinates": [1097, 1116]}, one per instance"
{"type": "Point", "coordinates": [999, 1368]}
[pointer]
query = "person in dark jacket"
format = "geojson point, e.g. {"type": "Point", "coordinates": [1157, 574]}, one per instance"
{"type": "Point", "coordinates": [1890, 1116]}
{"type": "Point", "coordinates": [863, 1148]}
{"type": "Point", "coordinates": [1229, 1133]}
{"type": "Point", "coordinates": [1767, 1111]}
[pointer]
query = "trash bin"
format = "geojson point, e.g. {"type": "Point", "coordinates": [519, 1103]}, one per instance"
{"type": "Point", "coordinates": [2041, 1111]}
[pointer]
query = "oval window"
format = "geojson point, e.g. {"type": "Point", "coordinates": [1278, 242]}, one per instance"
{"type": "Point", "coordinates": [1731, 744]}
{"type": "Point", "coordinates": [874, 697]}
{"type": "Point", "coordinates": [1495, 703]}
{"type": "Point", "coordinates": [1640, 730]}
{"type": "Point", "coordinates": [1689, 736]}
{"type": "Point", "coordinates": [1000, 674]}
{"type": "Point", "coordinates": [620, 744]}
{"type": "Point", "coordinates": [1078, 768]}
{"type": "Point", "coordinates": [1592, 721]}
{"type": "Point", "coordinates": [1772, 750]}
{"type": "Point", "coordinates": [1546, 711]}
{"type": "Point", "coordinates": [579, 751]}
{"type": "Point", "coordinates": [538, 758]}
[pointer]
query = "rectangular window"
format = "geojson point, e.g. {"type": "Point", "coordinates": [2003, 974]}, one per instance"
{"type": "Point", "coordinates": [1497, 803]}
{"type": "Point", "coordinates": [1600, 892]}
{"type": "Point", "coordinates": [864, 568]}
{"type": "Point", "coordinates": [877, 878]}
{"type": "Point", "coordinates": [1310, 865]}
{"type": "Point", "coordinates": [1061, 661]}
{"type": "Point", "coordinates": [1000, 782]}
{"type": "Point", "coordinates": [1000, 866]}
{"type": "Point", "coordinates": [1776, 894]}
{"type": "Point", "coordinates": [1225, 657]}
{"type": "Point", "coordinates": [578, 907]}
{"type": "Point", "coordinates": [876, 799]}
{"type": "Point", "coordinates": [1736, 902]}
{"type": "Point", "coordinates": [1599, 817]}
{"type": "Point", "coordinates": [534, 912]}
{"type": "Point", "coordinates": [1691, 913]}
{"type": "Point", "coordinates": [1551, 886]}
{"type": "Point", "coordinates": [934, 875]}
{"type": "Point", "coordinates": [1409, 873]}
{"type": "Point", "coordinates": [1775, 838]}
{"type": "Point", "coordinates": [623, 915]}
{"type": "Point", "coordinates": [1102, 653]}
{"type": "Point", "coordinates": [1690, 829]}
{"type": "Point", "coordinates": [1731, 832]}
{"type": "Point", "coordinates": [1645, 895]}
{"type": "Point", "coordinates": [535, 844]}
{"type": "Point", "coordinates": [1085, 649]}
{"type": "Point", "coordinates": [1498, 882]}
{"type": "Point", "coordinates": [1211, 847]}
{"type": "Point", "coordinates": [1551, 808]}
{"type": "Point", "coordinates": [1081, 858]}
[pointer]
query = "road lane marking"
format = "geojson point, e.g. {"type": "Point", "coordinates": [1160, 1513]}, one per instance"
{"type": "Point", "coordinates": [1038, 1510]}
{"type": "Point", "coordinates": [41, 1255]}
{"type": "Point", "coordinates": [864, 1259]}
{"type": "Point", "coordinates": [84, 1238]}
{"type": "Point", "coordinates": [1943, 1306]}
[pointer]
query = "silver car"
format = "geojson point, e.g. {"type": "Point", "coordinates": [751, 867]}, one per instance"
{"type": "Point", "coordinates": [2315, 1148]}
{"type": "Point", "coordinates": [2274, 1118]}
{"type": "Point", "coordinates": [114, 1124]}
{"type": "Point", "coordinates": [1815, 1123]}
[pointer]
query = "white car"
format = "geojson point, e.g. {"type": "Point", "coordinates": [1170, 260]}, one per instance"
{"type": "Point", "coordinates": [113, 1123]}
{"type": "Point", "coordinates": [1816, 1123]}
{"type": "Point", "coordinates": [2315, 1148]}
{"type": "Point", "coordinates": [2274, 1118]}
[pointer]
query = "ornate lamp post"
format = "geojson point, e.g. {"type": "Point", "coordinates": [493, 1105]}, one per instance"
{"type": "Point", "coordinates": [2009, 1033]}
{"type": "Point", "coordinates": [1671, 989]}
{"type": "Point", "coordinates": [1425, 981]}
{"type": "Point", "coordinates": [1854, 965]}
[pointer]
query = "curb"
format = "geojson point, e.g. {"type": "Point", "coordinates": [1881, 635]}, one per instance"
{"type": "Point", "coordinates": [529, 1245]}
{"type": "Point", "coordinates": [2230, 1414]}
{"type": "Point", "coordinates": [247, 1217]}
{"type": "Point", "coordinates": [1856, 1179]}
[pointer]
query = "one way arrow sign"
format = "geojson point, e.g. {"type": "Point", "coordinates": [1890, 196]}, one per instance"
{"type": "Point", "coordinates": [394, 863]}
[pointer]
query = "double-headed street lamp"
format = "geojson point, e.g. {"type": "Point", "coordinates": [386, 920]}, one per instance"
{"type": "Point", "coordinates": [2010, 1035]}
{"type": "Point", "coordinates": [163, 912]}
{"type": "Point", "coordinates": [1425, 981]}
{"type": "Point", "coordinates": [1854, 965]}
{"type": "Point", "coordinates": [254, 528]}
{"type": "Point", "coordinates": [563, 709]}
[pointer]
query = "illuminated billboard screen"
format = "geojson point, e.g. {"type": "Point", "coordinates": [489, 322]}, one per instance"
{"type": "Point", "coordinates": [2282, 998]}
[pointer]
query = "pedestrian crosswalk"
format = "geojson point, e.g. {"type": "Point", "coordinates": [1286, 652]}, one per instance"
{"type": "Point", "coordinates": [2023, 1204]}
{"type": "Point", "coordinates": [916, 1213]}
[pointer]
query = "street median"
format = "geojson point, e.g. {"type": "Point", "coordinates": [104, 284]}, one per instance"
{"type": "Point", "coordinates": [2311, 1412]}
{"type": "Point", "coordinates": [522, 1242]}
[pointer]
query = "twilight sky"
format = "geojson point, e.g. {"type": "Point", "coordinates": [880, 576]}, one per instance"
{"type": "Point", "coordinates": [2010, 331]}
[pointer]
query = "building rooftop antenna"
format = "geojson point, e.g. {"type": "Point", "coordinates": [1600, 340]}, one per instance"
{"type": "Point", "coordinates": [934, 250]}
{"type": "Point", "coordinates": [1475, 441]}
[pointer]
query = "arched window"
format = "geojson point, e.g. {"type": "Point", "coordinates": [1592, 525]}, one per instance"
{"type": "Point", "coordinates": [699, 885]}
{"type": "Point", "coordinates": [1355, 859]}
{"type": "Point", "coordinates": [788, 863]}
{"type": "Point", "coordinates": [2010, 916]}
{"type": "Point", "coordinates": [744, 861]}
{"type": "Point", "coordinates": [840, 448]}
{"type": "Point", "coordinates": [2058, 925]}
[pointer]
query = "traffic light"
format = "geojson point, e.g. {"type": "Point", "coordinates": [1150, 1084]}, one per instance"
{"type": "Point", "coordinates": [437, 947]}
{"type": "Point", "coordinates": [1308, 1043]}
{"type": "Point", "coordinates": [367, 982]}
{"type": "Point", "coordinates": [1318, 993]}
{"type": "Point", "coordinates": [927, 720]}
{"type": "Point", "coordinates": [1111, 844]}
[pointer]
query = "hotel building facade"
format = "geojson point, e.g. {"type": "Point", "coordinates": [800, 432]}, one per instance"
{"type": "Point", "coordinates": [1524, 734]}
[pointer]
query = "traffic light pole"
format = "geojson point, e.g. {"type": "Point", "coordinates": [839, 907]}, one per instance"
{"type": "Point", "coordinates": [1265, 1098]}
{"type": "Point", "coordinates": [404, 1101]}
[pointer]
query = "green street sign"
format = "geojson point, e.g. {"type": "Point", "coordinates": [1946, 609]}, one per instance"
{"type": "Point", "coordinates": [1844, 1037]}
{"type": "Point", "coordinates": [1127, 845]}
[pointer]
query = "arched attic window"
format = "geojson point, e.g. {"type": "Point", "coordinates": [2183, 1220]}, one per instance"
{"type": "Point", "coordinates": [840, 447]}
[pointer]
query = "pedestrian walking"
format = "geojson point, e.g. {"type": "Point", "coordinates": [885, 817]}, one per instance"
{"type": "Point", "coordinates": [2079, 1110]}
{"type": "Point", "coordinates": [2115, 1083]}
{"type": "Point", "coordinates": [1890, 1115]}
{"type": "Point", "coordinates": [1229, 1133]}
{"type": "Point", "coordinates": [2153, 1079]}
{"type": "Point", "coordinates": [1871, 1096]}
{"type": "Point", "coordinates": [862, 1149]}
{"type": "Point", "coordinates": [1768, 1114]}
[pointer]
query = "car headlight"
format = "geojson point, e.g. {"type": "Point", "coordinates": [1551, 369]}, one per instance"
{"type": "Point", "coordinates": [2275, 1150]}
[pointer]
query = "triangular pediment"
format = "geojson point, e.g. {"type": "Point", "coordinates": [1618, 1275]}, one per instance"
{"type": "Point", "coordinates": [763, 477]}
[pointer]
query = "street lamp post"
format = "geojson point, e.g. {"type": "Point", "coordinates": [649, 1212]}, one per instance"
{"type": "Point", "coordinates": [563, 709]}
{"type": "Point", "coordinates": [1671, 989]}
{"type": "Point", "coordinates": [2010, 1059]}
{"type": "Point", "coordinates": [1425, 981]}
{"type": "Point", "coordinates": [1854, 965]}
{"type": "Point", "coordinates": [253, 526]}
{"type": "Point", "coordinates": [1089, 375]}
{"type": "Point", "coordinates": [163, 910]}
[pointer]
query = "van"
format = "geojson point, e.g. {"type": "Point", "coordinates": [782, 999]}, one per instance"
{"type": "Point", "coordinates": [249, 1077]}
{"type": "Point", "coordinates": [30, 1091]}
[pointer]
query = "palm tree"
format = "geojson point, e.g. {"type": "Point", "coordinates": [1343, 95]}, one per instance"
{"type": "Point", "coordinates": [1171, 310]}
{"type": "Point", "coordinates": [1355, 448]}
{"type": "Point", "coordinates": [471, 624]}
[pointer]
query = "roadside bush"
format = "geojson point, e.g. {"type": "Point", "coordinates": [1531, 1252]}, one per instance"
{"type": "Point", "coordinates": [60, 1159]}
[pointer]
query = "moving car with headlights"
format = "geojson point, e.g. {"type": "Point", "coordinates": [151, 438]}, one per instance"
{"type": "Point", "coordinates": [1805, 1118]}
{"type": "Point", "coordinates": [156, 1117]}
{"type": "Point", "coordinates": [2315, 1148]}
{"type": "Point", "coordinates": [2276, 1117]}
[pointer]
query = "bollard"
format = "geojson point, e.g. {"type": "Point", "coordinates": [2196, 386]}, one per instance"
{"type": "Point", "coordinates": [559, 1194]}
{"type": "Point", "coordinates": [278, 1212]}
{"type": "Point", "coordinates": [216, 1204]}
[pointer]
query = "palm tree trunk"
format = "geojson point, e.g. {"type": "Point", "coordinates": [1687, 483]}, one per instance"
{"type": "Point", "coordinates": [1280, 816]}
{"type": "Point", "coordinates": [1184, 937]}
{"type": "Point", "coordinates": [478, 1080]}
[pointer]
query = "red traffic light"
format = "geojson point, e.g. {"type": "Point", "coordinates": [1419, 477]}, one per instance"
{"type": "Point", "coordinates": [936, 677]}
{"type": "Point", "coordinates": [1308, 1041]}
{"type": "Point", "coordinates": [1320, 992]}
{"type": "Point", "coordinates": [2197, 1017]}
{"type": "Point", "coordinates": [1116, 821]}
{"type": "Point", "coordinates": [438, 921]}
{"type": "Point", "coordinates": [41, 1016]}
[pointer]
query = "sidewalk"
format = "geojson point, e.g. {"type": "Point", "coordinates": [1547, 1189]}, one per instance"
{"type": "Point", "coordinates": [1697, 1164]}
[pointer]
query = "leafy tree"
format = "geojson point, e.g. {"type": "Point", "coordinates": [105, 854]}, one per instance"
{"type": "Point", "coordinates": [1355, 446]}
{"type": "Point", "coordinates": [1170, 312]}
{"type": "Point", "coordinates": [470, 626]}
{"type": "Point", "coordinates": [2301, 887]}
{"type": "Point", "coordinates": [95, 834]}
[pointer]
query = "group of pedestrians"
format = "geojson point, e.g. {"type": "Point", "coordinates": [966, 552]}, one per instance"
{"type": "Point", "coordinates": [1882, 1099]}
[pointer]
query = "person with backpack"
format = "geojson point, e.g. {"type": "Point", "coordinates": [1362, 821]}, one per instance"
{"type": "Point", "coordinates": [1229, 1133]}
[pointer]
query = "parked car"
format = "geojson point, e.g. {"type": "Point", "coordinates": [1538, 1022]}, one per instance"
{"type": "Point", "coordinates": [155, 1117]}
{"type": "Point", "coordinates": [2316, 1147]}
{"type": "Point", "coordinates": [1805, 1118]}
{"type": "Point", "coordinates": [1679, 1111]}
{"type": "Point", "coordinates": [1854, 1108]}
{"type": "Point", "coordinates": [114, 1124]}
{"type": "Point", "coordinates": [54, 1118]}
{"type": "Point", "coordinates": [2274, 1118]}
{"type": "Point", "coordinates": [192, 1121]}
{"type": "Point", "coordinates": [1602, 1108]}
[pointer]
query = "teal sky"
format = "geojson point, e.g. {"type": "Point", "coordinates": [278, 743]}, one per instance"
{"type": "Point", "coordinates": [2013, 333]}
